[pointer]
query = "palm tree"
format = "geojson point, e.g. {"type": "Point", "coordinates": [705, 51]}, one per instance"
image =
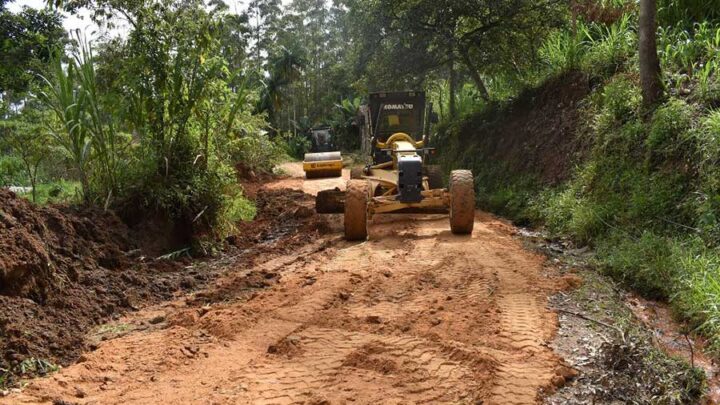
{"type": "Point", "coordinates": [284, 68]}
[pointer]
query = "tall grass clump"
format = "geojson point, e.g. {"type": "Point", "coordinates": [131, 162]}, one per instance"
{"type": "Point", "coordinates": [609, 47]}
{"type": "Point", "coordinates": [563, 51]}
{"type": "Point", "coordinates": [690, 58]}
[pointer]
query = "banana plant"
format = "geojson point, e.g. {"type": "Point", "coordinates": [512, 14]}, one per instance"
{"type": "Point", "coordinates": [343, 122]}
{"type": "Point", "coordinates": [69, 105]}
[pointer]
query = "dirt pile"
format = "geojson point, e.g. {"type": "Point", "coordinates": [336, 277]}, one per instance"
{"type": "Point", "coordinates": [282, 214]}
{"type": "Point", "coordinates": [62, 271]}
{"type": "Point", "coordinates": [539, 133]}
{"type": "Point", "coordinates": [45, 248]}
{"type": "Point", "coordinates": [65, 270]}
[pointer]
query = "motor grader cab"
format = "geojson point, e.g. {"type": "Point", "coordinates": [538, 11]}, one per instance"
{"type": "Point", "coordinates": [391, 113]}
{"type": "Point", "coordinates": [399, 178]}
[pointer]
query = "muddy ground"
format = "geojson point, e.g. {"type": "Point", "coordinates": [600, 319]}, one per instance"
{"type": "Point", "coordinates": [65, 271]}
{"type": "Point", "coordinates": [413, 315]}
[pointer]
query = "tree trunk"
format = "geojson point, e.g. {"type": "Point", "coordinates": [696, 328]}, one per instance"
{"type": "Point", "coordinates": [452, 87]}
{"type": "Point", "coordinates": [33, 180]}
{"type": "Point", "coordinates": [464, 52]}
{"type": "Point", "coordinates": [650, 81]}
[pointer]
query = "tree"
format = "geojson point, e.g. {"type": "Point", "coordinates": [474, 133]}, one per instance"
{"type": "Point", "coordinates": [70, 107]}
{"type": "Point", "coordinates": [263, 17]}
{"type": "Point", "coordinates": [29, 39]}
{"type": "Point", "coordinates": [284, 69]}
{"type": "Point", "coordinates": [650, 79]}
{"type": "Point", "coordinates": [414, 39]}
{"type": "Point", "coordinates": [28, 141]}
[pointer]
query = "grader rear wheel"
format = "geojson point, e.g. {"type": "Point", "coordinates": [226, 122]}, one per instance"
{"type": "Point", "coordinates": [462, 201]}
{"type": "Point", "coordinates": [356, 202]}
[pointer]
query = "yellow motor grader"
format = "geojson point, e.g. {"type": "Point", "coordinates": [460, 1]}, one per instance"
{"type": "Point", "coordinates": [399, 178]}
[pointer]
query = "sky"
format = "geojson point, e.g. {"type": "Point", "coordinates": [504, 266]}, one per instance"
{"type": "Point", "coordinates": [82, 20]}
{"type": "Point", "coordinates": [79, 21]}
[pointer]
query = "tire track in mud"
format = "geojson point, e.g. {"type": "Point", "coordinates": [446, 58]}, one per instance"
{"type": "Point", "coordinates": [413, 315]}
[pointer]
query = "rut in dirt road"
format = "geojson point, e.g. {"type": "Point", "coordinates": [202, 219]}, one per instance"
{"type": "Point", "coordinates": [413, 315]}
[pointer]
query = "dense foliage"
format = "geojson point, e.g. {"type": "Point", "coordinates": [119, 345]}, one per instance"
{"type": "Point", "coordinates": [645, 192]}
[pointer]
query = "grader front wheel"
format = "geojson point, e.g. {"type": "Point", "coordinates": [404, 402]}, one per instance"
{"type": "Point", "coordinates": [462, 201]}
{"type": "Point", "coordinates": [356, 205]}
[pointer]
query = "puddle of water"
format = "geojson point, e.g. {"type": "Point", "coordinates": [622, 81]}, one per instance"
{"type": "Point", "coordinates": [658, 318]}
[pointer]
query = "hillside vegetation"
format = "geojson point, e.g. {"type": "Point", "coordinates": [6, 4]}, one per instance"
{"type": "Point", "coordinates": [580, 155]}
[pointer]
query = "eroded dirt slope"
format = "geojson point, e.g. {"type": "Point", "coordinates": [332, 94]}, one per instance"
{"type": "Point", "coordinates": [414, 315]}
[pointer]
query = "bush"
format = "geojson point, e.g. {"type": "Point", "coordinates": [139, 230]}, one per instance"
{"type": "Point", "coordinates": [707, 139]}
{"type": "Point", "coordinates": [621, 99]}
{"type": "Point", "coordinates": [235, 208]}
{"type": "Point", "coordinates": [609, 47]}
{"type": "Point", "coordinates": [296, 146]}
{"type": "Point", "coordinates": [697, 293]}
{"type": "Point", "coordinates": [12, 171]}
{"type": "Point", "coordinates": [669, 126]}
{"type": "Point", "coordinates": [258, 152]}
{"type": "Point", "coordinates": [61, 191]}
{"type": "Point", "coordinates": [562, 51]}
{"type": "Point", "coordinates": [646, 264]}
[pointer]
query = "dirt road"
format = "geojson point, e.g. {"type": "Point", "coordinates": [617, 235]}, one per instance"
{"type": "Point", "coordinates": [414, 315]}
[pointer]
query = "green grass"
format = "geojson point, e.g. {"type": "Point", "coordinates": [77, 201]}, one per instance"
{"type": "Point", "coordinates": [56, 192]}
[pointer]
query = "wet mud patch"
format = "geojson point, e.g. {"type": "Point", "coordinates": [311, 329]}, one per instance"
{"type": "Point", "coordinates": [612, 353]}
{"type": "Point", "coordinates": [282, 214]}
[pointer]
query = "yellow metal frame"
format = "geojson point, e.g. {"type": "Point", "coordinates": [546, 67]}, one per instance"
{"type": "Point", "coordinates": [400, 137]}
{"type": "Point", "coordinates": [385, 175]}
{"type": "Point", "coordinates": [439, 198]}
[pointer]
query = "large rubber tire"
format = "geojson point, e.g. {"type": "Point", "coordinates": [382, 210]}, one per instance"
{"type": "Point", "coordinates": [356, 202]}
{"type": "Point", "coordinates": [356, 173]}
{"type": "Point", "coordinates": [462, 202]}
{"type": "Point", "coordinates": [435, 176]}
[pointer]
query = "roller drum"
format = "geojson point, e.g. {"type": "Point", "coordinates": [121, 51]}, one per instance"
{"type": "Point", "coordinates": [322, 156]}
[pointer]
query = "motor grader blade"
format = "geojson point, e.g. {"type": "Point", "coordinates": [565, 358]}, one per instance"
{"type": "Point", "coordinates": [330, 202]}
{"type": "Point", "coordinates": [333, 202]}
{"type": "Point", "coordinates": [324, 164]}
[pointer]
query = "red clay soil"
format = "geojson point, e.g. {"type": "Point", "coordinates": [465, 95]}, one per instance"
{"type": "Point", "coordinates": [538, 133]}
{"type": "Point", "coordinates": [62, 271]}
{"type": "Point", "coordinates": [413, 315]}
{"type": "Point", "coordinates": [66, 270]}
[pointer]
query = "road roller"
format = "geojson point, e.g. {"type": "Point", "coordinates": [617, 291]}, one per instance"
{"type": "Point", "coordinates": [323, 161]}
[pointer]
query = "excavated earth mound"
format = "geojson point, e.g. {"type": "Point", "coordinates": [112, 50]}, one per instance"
{"type": "Point", "coordinates": [62, 271]}
{"type": "Point", "coordinates": [539, 133]}
{"type": "Point", "coordinates": [65, 270]}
